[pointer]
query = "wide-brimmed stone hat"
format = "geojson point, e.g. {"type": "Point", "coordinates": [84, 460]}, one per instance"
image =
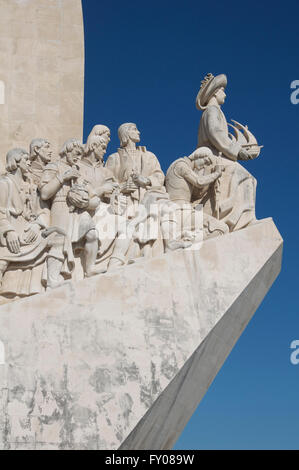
{"type": "Point", "coordinates": [209, 86]}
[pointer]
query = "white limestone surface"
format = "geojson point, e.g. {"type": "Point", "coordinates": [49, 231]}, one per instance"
{"type": "Point", "coordinates": [123, 359]}
{"type": "Point", "coordinates": [41, 72]}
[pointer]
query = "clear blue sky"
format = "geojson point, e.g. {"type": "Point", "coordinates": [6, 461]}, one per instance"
{"type": "Point", "coordinates": [144, 64]}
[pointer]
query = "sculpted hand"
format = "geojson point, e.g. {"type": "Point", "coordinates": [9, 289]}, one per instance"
{"type": "Point", "coordinates": [140, 180]}
{"type": "Point", "coordinates": [80, 201]}
{"type": "Point", "coordinates": [70, 174]}
{"type": "Point", "coordinates": [128, 187]}
{"type": "Point", "coordinates": [109, 187]}
{"type": "Point", "coordinates": [31, 233]}
{"type": "Point", "coordinates": [13, 242]}
{"type": "Point", "coordinates": [243, 155]}
{"type": "Point", "coordinates": [217, 174]}
{"type": "Point", "coordinates": [219, 168]}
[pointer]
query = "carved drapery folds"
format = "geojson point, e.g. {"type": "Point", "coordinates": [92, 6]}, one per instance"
{"type": "Point", "coordinates": [71, 215]}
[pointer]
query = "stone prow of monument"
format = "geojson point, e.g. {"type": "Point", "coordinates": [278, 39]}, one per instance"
{"type": "Point", "coordinates": [123, 359]}
{"type": "Point", "coordinates": [119, 360]}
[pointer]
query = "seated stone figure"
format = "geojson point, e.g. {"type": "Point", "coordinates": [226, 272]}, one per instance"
{"type": "Point", "coordinates": [24, 247]}
{"type": "Point", "coordinates": [73, 203]}
{"type": "Point", "coordinates": [188, 181]}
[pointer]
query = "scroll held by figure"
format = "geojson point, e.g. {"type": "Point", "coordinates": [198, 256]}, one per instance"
{"type": "Point", "coordinates": [73, 215]}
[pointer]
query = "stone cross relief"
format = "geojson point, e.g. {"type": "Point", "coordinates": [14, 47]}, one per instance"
{"type": "Point", "coordinates": [71, 215]}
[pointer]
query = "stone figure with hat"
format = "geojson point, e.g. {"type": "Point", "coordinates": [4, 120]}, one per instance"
{"type": "Point", "coordinates": [235, 204]}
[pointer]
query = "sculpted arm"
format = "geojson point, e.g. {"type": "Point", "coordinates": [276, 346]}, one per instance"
{"type": "Point", "coordinates": [5, 225]}
{"type": "Point", "coordinates": [43, 217]}
{"type": "Point", "coordinates": [49, 184]}
{"type": "Point", "coordinates": [218, 135]}
{"type": "Point", "coordinates": [7, 231]}
{"type": "Point", "coordinates": [193, 178]}
{"type": "Point", "coordinates": [93, 203]}
{"type": "Point", "coordinates": [94, 199]}
{"type": "Point", "coordinates": [113, 164]}
{"type": "Point", "coordinates": [156, 176]}
{"type": "Point", "coordinates": [107, 187]}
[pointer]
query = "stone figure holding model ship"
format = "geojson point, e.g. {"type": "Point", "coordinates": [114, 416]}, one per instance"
{"type": "Point", "coordinates": [235, 202]}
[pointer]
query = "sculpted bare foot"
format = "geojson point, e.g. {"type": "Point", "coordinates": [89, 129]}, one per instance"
{"type": "Point", "coordinates": [176, 245]}
{"type": "Point", "coordinates": [94, 270]}
{"type": "Point", "coordinates": [115, 263]}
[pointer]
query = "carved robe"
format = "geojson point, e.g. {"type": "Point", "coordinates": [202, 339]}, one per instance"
{"type": "Point", "coordinates": [106, 220]}
{"type": "Point", "coordinates": [41, 208]}
{"type": "Point", "coordinates": [75, 223]}
{"type": "Point", "coordinates": [17, 211]}
{"type": "Point", "coordinates": [95, 173]}
{"type": "Point", "coordinates": [145, 163]}
{"type": "Point", "coordinates": [237, 187]}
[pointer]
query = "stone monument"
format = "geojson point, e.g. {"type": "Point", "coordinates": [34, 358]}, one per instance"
{"type": "Point", "coordinates": [41, 72]}
{"type": "Point", "coordinates": [122, 290]}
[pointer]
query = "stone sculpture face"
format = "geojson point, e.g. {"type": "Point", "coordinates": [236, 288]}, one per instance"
{"type": "Point", "coordinates": [41, 149]}
{"type": "Point", "coordinates": [73, 156]}
{"type": "Point", "coordinates": [100, 151]}
{"type": "Point", "coordinates": [98, 145]}
{"type": "Point", "coordinates": [102, 131]}
{"type": "Point", "coordinates": [23, 164]}
{"type": "Point", "coordinates": [17, 158]}
{"type": "Point", "coordinates": [134, 133]}
{"type": "Point", "coordinates": [45, 152]}
{"type": "Point", "coordinates": [106, 137]}
{"type": "Point", "coordinates": [220, 96]}
{"type": "Point", "coordinates": [200, 162]}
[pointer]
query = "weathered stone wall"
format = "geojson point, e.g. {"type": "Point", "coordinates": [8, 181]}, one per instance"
{"type": "Point", "coordinates": [41, 72]}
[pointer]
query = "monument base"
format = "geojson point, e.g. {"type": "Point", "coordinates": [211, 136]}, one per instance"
{"type": "Point", "coordinates": [122, 360]}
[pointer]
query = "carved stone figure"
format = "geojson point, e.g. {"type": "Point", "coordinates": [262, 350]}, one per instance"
{"type": "Point", "coordinates": [92, 167]}
{"type": "Point", "coordinates": [236, 191]}
{"type": "Point", "coordinates": [188, 180]}
{"type": "Point", "coordinates": [152, 223]}
{"type": "Point", "coordinates": [23, 248]}
{"type": "Point", "coordinates": [135, 168]}
{"type": "Point", "coordinates": [73, 203]}
{"type": "Point", "coordinates": [108, 220]}
{"type": "Point", "coordinates": [102, 131]}
{"type": "Point", "coordinates": [39, 157]}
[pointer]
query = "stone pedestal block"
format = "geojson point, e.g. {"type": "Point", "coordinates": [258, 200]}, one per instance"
{"type": "Point", "coordinates": [122, 360]}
